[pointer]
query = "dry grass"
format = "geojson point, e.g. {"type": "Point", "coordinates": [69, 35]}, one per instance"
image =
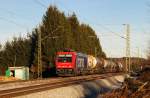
{"type": "Point", "coordinates": [4, 78]}
{"type": "Point", "coordinates": [139, 88]}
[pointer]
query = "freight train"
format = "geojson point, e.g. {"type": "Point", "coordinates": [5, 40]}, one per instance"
{"type": "Point", "coordinates": [70, 63]}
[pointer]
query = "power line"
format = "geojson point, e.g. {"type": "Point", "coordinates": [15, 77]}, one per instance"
{"type": "Point", "coordinates": [112, 32]}
{"type": "Point", "coordinates": [13, 22]}
{"type": "Point", "coordinates": [107, 29]}
{"type": "Point", "coordinates": [15, 14]}
{"type": "Point", "coordinates": [119, 35]}
{"type": "Point", "coordinates": [9, 12]}
{"type": "Point", "coordinates": [39, 46]}
{"type": "Point", "coordinates": [39, 3]}
{"type": "Point", "coordinates": [123, 37]}
{"type": "Point", "coordinates": [102, 26]}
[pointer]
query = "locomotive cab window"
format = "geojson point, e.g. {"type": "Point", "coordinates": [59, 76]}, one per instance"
{"type": "Point", "coordinates": [64, 58]}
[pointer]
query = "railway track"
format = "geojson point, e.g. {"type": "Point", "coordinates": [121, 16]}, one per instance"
{"type": "Point", "coordinates": [24, 83]}
{"type": "Point", "coordinates": [50, 85]}
{"type": "Point", "coordinates": [7, 82]}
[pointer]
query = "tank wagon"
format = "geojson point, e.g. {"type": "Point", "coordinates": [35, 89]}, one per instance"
{"type": "Point", "coordinates": [111, 66]}
{"type": "Point", "coordinates": [74, 63]}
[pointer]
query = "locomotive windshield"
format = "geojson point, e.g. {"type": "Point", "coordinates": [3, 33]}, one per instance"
{"type": "Point", "coordinates": [64, 58]}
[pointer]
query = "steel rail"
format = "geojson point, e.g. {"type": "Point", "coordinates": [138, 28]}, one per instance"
{"type": "Point", "coordinates": [47, 86]}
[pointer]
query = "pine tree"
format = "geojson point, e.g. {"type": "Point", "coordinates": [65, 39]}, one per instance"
{"type": "Point", "coordinates": [75, 31]}
{"type": "Point", "coordinates": [58, 32]}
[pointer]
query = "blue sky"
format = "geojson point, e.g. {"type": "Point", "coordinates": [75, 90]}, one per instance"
{"type": "Point", "coordinates": [17, 17]}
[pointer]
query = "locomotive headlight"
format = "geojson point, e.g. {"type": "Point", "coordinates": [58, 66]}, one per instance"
{"type": "Point", "coordinates": [69, 66]}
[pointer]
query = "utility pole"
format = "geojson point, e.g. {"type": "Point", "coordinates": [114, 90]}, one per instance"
{"type": "Point", "coordinates": [139, 57]}
{"type": "Point", "coordinates": [40, 70]}
{"type": "Point", "coordinates": [39, 56]}
{"type": "Point", "coordinates": [14, 64]}
{"type": "Point", "coordinates": [128, 66]}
